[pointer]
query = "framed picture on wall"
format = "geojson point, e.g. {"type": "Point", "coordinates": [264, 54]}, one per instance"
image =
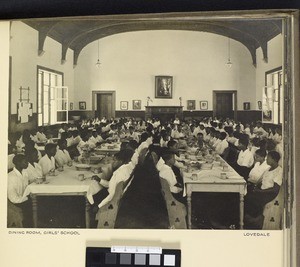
{"type": "Point", "coordinates": [124, 105]}
{"type": "Point", "coordinates": [203, 105]}
{"type": "Point", "coordinates": [259, 105]}
{"type": "Point", "coordinates": [163, 86]}
{"type": "Point", "coordinates": [246, 105]}
{"type": "Point", "coordinates": [82, 105]}
{"type": "Point", "coordinates": [191, 104]}
{"type": "Point", "coordinates": [136, 104]}
{"type": "Point", "coordinates": [71, 105]}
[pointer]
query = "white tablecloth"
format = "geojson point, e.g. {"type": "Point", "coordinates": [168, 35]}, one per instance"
{"type": "Point", "coordinates": [66, 181]}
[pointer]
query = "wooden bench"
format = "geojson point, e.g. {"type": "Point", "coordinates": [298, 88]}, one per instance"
{"type": "Point", "coordinates": [176, 210]}
{"type": "Point", "coordinates": [107, 214]}
{"type": "Point", "coordinates": [273, 212]}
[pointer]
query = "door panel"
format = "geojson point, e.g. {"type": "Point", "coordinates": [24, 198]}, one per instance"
{"type": "Point", "coordinates": [224, 105]}
{"type": "Point", "coordinates": [104, 105]}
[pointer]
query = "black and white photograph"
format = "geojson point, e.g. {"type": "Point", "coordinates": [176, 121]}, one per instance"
{"type": "Point", "coordinates": [163, 87]}
{"type": "Point", "coordinates": [136, 104]}
{"type": "Point", "coordinates": [155, 167]}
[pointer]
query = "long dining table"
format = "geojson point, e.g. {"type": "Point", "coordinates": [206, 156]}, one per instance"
{"type": "Point", "coordinates": [72, 181]}
{"type": "Point", "coordinates": [211, 174]}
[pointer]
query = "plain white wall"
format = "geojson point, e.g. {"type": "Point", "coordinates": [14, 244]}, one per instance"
{"type": "Point", "coordinates": [196, 60]}
{"type": "Point", "coordinates": [24, 52]}
{"type": "Point", "coordinates": [130, 62]}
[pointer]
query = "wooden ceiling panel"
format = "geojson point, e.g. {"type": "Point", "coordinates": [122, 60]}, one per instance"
{"type": "Point", "coordinates": [76, 33]}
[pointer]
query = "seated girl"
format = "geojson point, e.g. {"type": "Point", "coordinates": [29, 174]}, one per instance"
{"type": "Point", "coordinates": [260, 167]}
{"type": "Point", "coordinates": [62, 155]}
{"type": "Point", "coordinates": [47, 162]}
{"type": "Point", "coordinates": [34, 170]}
{"type": "Point", "coordinates": [265, 191]}
{"type": "Point", "coordinates": [164, 167]}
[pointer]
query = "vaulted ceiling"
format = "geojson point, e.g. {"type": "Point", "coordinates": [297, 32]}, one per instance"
{"type": "Point", "coordinates": [76, 33]}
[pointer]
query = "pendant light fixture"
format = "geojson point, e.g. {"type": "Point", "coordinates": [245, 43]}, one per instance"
{"type": "Point", "coordinates": [229, 63]}
{"type": "Point", "coordinates": [98, 60]}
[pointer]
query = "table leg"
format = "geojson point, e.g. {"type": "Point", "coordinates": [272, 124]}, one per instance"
{"type": "Point", "coordinates": [241, 211]}
{"type": "Point", "coordinates": [189, 204]}
{"type": "Point", "coordinates": [87, 213]}
{"type": "Point", "coordinates": [34, 210]}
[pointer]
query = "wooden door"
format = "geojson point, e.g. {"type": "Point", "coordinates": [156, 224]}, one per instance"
{"type": "Point", "coordinates": [104, 105]}
{"type": "Point", "coordinates": [225, 104]}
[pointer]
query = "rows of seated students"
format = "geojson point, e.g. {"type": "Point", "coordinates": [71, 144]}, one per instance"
{"type": "Point", "coordinates": [251, 150]}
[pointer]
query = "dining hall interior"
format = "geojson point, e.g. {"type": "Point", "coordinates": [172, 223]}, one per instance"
{"type": "Point", "coordinates": [146, 122]}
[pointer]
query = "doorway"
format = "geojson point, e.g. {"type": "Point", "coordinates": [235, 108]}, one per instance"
{"type": "Point", "coordinates": [225, 104]}
{"type": "Point", "coordinates": [104, 104]}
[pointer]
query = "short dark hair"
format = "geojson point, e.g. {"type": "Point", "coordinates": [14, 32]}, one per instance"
{"type": "Point", "coordinates": [124, 155]}
{"type": "Point", "coordinates": [60, 142]}
{"type": "Point", "coordinates": [166, 154]}
{"type": "Point", "coordinates": [274, 155]}
{"type": "Point", "coordinates": [171, 143]}
{"type": "Point", "coordinates": [261, 152]}
{"type": "Point", "coordinates": [18, 158]}
{"type": "Point", "coordinates": [223, 135]}
{"type": "Point", "coordinates": [49, 147]}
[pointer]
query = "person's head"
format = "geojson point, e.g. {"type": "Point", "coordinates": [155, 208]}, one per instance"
{"type": "Point", "coordinates": [173, 146]}
{"type": "Point", "coordinates": [20, 162]}
{"type": "Point", "coordinates": [50, 149]}
{"type": "Point", "coordinates": [84, 136]}
{"type": "Point", "coordinates": [217, 134]}
{"type": "Point", "coordinates": [31, 155]}
{"type": "Point", "coordinates": [133, 144]}
{"type": "Point", "coordinates": [260, 155]}
{"type": "Point", "coordinates": [273, 158]}
{"type": "Point", "coordinates": [75, 133]}
{"type": "Point", "coordinates": [278, 130]}
{"type": "Point", "coordinates": [121, 158]}
{"type": "Point", "coordinates": [258, 124]}
{"type": "Point", "coordinates": [243, 143]}
{"type": "Point", "coordinates": [62, 144]}
{"type": "Point", "coordinates": [223, 135]}
{"type": "Point", "coordinates": [144, 136]}
{"type": "Point", "coordinates": [26, 136]}
{"type": "Point", "coordinates": [255, 142]}
{"type": "Point", "coordinates": [131, 129]}
{"type": "Point", "coordinates": [262, 144]}
{"type": "Point", "coordinates": [156, 139]}
{"type": "Point", "coordinates": [270, 145]}
{"type": "Point", "coordinates": [199, 136]}
{"type": "Point", "coordinates": [168, 157]}
{"type": "Point", "coordinates": [29, 144]}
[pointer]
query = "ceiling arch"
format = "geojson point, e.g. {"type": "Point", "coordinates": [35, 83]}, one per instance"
{"type": "Point", "coordinates": [77, 33]}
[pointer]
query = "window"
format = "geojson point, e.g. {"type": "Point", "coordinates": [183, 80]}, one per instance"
{"type": "Point", "coordinates": [52, 97]}
{"type": "Point", "coordinates": [272, 97]}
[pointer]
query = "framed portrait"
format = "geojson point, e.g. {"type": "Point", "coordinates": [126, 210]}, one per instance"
{"type": "Point", "coordinates": [203, 105]}
{"type": "Point", "coordinates": [191, 104]}
{"type": "Point", "coordinates": [82, 105]}
{"type": "Point", "coordinates": [124, 105]}
{"type": "Point", "coordinates": [136, 104]}
{"type": "Point", "coordinates": [246, 105]}
{"type": "Point", "coordinates": [163, 86]}
{"type": "Point", "coordinates": [259, 104]}
{"type": "Point", "coordinates": [71, 105]}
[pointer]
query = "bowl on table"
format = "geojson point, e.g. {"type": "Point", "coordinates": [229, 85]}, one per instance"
{"type": "Point", "coordinates": [39, 180]}
{"type": "Point", "coordinates": [206, 166]}
{"type": "Point", "coordinates": [82, 167]}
